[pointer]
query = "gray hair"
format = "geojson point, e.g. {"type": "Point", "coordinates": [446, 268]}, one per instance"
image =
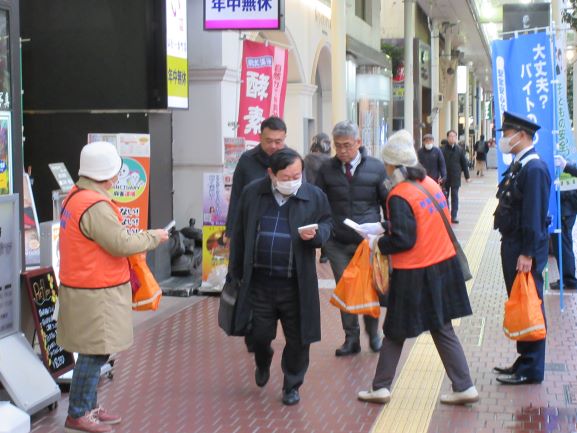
{"type": "Point", "coordinates": [346, 128]}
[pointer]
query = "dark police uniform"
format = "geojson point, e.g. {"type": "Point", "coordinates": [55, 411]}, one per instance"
{"type": "Point", "coordinates": [521, 217]}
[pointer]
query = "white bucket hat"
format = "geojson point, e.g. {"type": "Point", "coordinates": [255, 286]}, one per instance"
{"type": "Point", "coordinates": [400, 150]}
{"type": "Point", "coordinates": [99, 161]}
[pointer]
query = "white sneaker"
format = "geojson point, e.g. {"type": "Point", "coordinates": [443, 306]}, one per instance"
{"type": "Point", "coordinates": [470, 395]}
{"type": "Point", "coordinates": [382, 396]}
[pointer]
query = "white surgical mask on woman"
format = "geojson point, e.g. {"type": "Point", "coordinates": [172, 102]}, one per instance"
{"type": "Point", "coordinates": [288, 187]}
{"type": "Point", "coordinates": [505, 145]}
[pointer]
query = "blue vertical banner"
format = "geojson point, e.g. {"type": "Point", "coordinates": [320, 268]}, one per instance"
{"type": "Point", "coordinates": [523, 71]}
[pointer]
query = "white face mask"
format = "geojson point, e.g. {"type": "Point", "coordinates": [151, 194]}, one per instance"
{"type": "Point", "coordinates": [288, 187]}
{"type": "Point", "coordinates": [428, 146]}
{"type": "Point", "coordinates": [505, 144]}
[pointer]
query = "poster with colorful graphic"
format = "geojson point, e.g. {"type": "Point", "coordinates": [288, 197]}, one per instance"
{"type": "Point", "coordinates": [131, 192]}
{"type": "Point", "coordinates": [262, 89]}
{"type": "Point", "coordinates": [31, 232]}
{"type": "Point", "coordinates": [233, 149]}
{"type": "Point", "coordinates": [214, 255]}
{"type": "Point", "coordinates": [5, 153]}
{"type": "Point", "coordinates": [215, 205]}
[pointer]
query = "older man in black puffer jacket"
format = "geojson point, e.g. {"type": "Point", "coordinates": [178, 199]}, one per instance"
{"type": "Point", "coordinates": [355, 186]}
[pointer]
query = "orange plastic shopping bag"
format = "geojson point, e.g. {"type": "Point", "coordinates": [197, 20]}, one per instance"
{"type": "Point", "coordinates": [148, 295]}
{"type": "Point", "coordinates": [355, 292]}
{"type": "Point", "coordinates": [524, 319]}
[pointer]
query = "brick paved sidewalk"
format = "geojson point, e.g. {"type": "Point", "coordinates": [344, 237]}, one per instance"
{"type": "Point", "coordinates": [184, 375]}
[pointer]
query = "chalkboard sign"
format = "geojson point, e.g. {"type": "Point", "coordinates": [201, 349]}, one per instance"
{"type": "Point", "coordinates": [43, 292]}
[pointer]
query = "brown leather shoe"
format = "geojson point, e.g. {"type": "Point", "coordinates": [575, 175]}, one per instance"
{"type": "Point", "coordinates": [106, 417]}
{"type": "Point", "coordinates": [86, 424]}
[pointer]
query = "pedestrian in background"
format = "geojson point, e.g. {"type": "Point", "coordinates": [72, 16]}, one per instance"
{"type": "Point", "coordinates": [481, 149]}
{"type": "Point", "coordinates": [95, 297]}
{"type": "Point", "coordinates": [431, 158]}
{"type": "Point", "coordinates": [568, 213]}
{"type": "Point", "coordinates": [427, 287]}
{"type": "Point", "coordinates": [355, 186]}
{"type": "Point", "coordinates": [521, 218]}
{"type": "Point", "coordinates": [320, 151]}
{"type": "Point", "coordinates": [275, 262]}
{"type": "Point", "coordinates": [252, 165]}
{"type": "Point", "coordinates": [456, 163]}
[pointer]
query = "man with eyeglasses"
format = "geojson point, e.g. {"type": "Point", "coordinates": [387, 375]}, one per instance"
{"type": "Point", "coordinates": [253, 165]}
{"type": "Point", "coordinates": [355, 185]}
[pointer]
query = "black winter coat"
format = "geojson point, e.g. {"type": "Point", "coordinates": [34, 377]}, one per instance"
{"type": "Point", "coordinates": [434, 162]}
{"type": "Point", "coordinates": [456, 163]}
{"type": "Point", "coordinates": [360, 200]}
{"type": "Point", "coordinates": [308, 206]}
{"type": "Point", "coordinates": [252, 165]}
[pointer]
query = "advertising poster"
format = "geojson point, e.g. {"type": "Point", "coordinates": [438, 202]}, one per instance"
{"type": "Point", "coordinates": [214, 255]}
{"type": "Point", "coordinates": [262, 89]}
{"type": "Point", "coordinates": [176, 54]}
{"type": "Point", "coordinates": [131, 192]}
{"type": "Point", "coordinates": [215, 205]}
{"type": "Point", "coordinates": [233, 148]}
{"type": "Point", "coordinates": [523, 69]}
{"type": "Point", "coordinates": [31, 227]}
{"type": "Point", "coordinates": [5, 153]}
{"type": "Point", "coordinates": [9, 269]}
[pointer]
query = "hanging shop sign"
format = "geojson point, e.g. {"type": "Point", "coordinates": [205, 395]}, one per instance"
{"type": "Point", "coordinates": [242, 15]}
{"type": "Point", "coordinates": [523, 70]}
{"type": "Point", "coordinates": [176, 54]}
{"type": "Point", "coordinates": [262, 89]}
{"type": "Point", "coordinates": [131, 190]}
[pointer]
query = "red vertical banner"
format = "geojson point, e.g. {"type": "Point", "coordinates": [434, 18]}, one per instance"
{"type": "Point", "coordinates": [263, 87]}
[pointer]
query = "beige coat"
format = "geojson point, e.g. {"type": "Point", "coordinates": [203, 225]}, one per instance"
{"type": "Point", "coordinates": [99, 322]}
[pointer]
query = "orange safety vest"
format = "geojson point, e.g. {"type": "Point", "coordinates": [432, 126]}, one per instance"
{"type": "Point", "coordinates": [83, 263]}
{"type": "Point", "coordinates": [433, 243]}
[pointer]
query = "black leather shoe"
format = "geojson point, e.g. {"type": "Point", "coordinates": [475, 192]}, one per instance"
{"type": "Point", "coordinates": [375, 342]}
{"type": "Point", "coordinates": [291, 397]}
{"type": "Point", "coordinates": [505, 370]}
{"type": "Point", "coordinates": [557, 286]}
{"type": "Point", "coordinates": [261, 377]}
{"type": "Point", "coordinates": [455, 221]}
{"type": "Point", "coordinates": [349, 348]}
{"type": "Point", "coordinates": [323, 259]}
{"type": "Point", "coordinates": [515, 379]}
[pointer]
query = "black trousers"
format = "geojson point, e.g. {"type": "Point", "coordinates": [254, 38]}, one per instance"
{"type": "Point", "coordinates": [454, 192]}
{"type": "Point", "coordinates": [567, 223]}
{"type": "Point", "coordinates": [531, 361]}
{"type": "Point", "coordinates": [271, 302]}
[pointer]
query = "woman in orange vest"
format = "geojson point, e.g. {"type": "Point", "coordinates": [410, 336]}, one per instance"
{"type": "Point", "coordinates": [427, 287]}
{"type": "Point", "coordinates": [95, 297]}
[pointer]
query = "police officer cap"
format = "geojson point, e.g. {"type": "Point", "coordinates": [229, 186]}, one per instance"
{"type": "Point", "coordinates": [519, 123]}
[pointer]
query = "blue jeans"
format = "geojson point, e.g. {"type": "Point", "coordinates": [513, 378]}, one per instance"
{"type": "Point", "coordinates": [84, 382]}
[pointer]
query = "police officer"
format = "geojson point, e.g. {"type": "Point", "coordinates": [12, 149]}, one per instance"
{"type": "Point", "coordinates": [521, 217]}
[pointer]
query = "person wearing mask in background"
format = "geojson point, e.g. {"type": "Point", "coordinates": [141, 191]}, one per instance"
{"type": "Point", "coordinates": [456, 163]}
{"type": "Point", "coordinates": [481, 149]}
{"type": "Point", "coordinates": [568, 212]}
{"type": "Point", "coordinates": [431, 158]}
{"type": "Point", "coordinates": [252, 165]}
{"type": "Point", "coordinates": [275, 262]}
{"type": "Point", "coordinates": [427, 287]}
{"type": "Point", "coordinates": [521, 218]}
{"type": "Point", "coordinates": [320, 151]}
{"type": "Point", "coordinates": [355, 185]}
{"type": "Point", "coordinates": [95, 297]}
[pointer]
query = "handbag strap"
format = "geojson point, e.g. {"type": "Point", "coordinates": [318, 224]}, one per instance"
{"type": "Point", "coordinates": [438, 206]}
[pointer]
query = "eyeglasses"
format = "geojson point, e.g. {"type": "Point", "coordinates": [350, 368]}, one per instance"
{"type": "Point", "coordinates": [344, 146]}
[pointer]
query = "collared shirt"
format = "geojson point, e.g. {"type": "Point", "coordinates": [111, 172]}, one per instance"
{"type": "Point", "coordinates": [280, 199]}
{"type": "Point", "coordinates": [354, 163]}
{"type": "Point", "coordinates": [522, 153]}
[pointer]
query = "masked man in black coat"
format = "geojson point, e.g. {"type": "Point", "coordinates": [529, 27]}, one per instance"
{"type": "Point", "coordinates": [521, 218]}
{"type": "Point", "coordinates": [273, 255]}
{"type": "Point", "coordinates": [456, 163]}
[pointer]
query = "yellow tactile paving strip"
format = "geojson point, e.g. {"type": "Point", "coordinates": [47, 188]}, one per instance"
{"type": "Point", "coordinates": [417, 387]}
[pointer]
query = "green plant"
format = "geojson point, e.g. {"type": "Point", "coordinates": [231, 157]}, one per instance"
{"type": "Point", "coordinates": [396, 53]}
